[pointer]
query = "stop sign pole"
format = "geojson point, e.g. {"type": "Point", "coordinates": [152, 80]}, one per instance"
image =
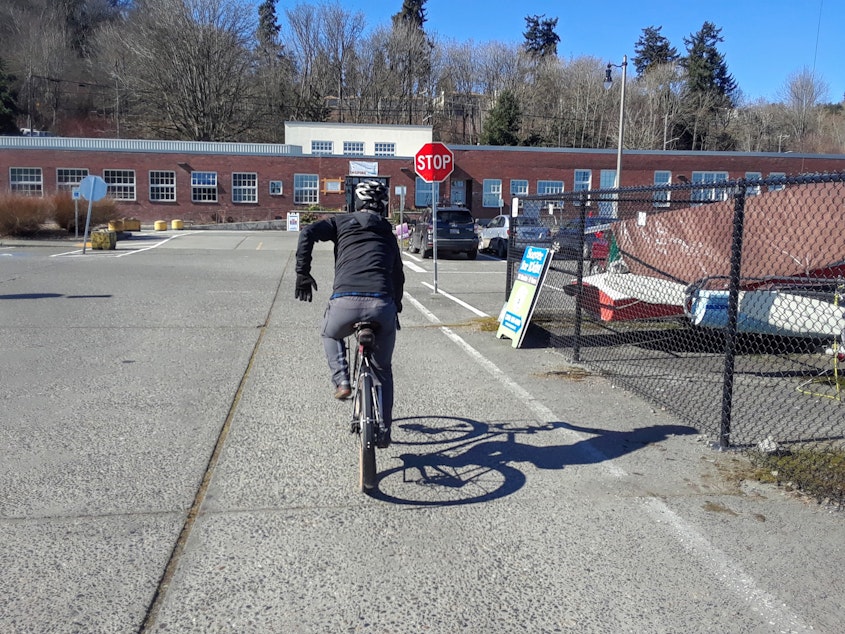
{"type": "Point", "coordinates": [434, 163]}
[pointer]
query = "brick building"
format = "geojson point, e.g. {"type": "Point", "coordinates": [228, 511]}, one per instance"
{"type": "Point", "coordinates": [201, 181]}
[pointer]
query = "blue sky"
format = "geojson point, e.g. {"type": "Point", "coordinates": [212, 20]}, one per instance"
{"type": "Point", "coordinates": [764, 42]}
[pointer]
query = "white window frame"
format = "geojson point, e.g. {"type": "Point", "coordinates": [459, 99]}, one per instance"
{"type": "Point", "coordinates": [519, 187]}
{"type": "Point", "coordinates": [162, 186]}
{"type": "Point", "coordinates": [423, 193]}
{"type": "Point", "coordinates": [306, 189]}
{"type": "Point", "coordinates": [582, 180]}
{"type": "Point", "coordinates": [353, 148]}
{"type": "Point", "coordinates": [777, 188]}
{"type": "Point", "coordinates": [68, 178]}
{"type": "Point", "coordinates": [121, 184]}
{"type": "Point", "coordinates": [754, 190]}
{"type": "Point", "coordinates": [276, 188]}
{"type": "Point", "coordinates": [491, 193]}
{"type": "Point", "coordinates": [712, 193]}
{"type": "Point", "coordinates": [384, 148]}
{"type": "Point", "coordinates": [545, 187]}
{"type": "Point", "coordinates": [28, 181]}
{"type": "Point", "coordinates": [321, 147]}
{"type": "Point", "coordinates": [203, 187]}
{"type": "Point", "coordinates": [244, 188]}
{"type": "Point", "coordinates": [662, 198]}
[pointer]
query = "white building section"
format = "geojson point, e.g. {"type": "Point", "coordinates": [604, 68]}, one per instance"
{"type": "Point", "coordinates": [357, 139]}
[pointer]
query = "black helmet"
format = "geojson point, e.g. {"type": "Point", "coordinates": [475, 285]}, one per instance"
{"type": "Point", "coordinates": [371, 195]}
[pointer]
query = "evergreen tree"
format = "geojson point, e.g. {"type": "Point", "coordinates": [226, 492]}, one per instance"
{"type": "Point", "coordinates": [501, 127]}
{"type": "Point", "coordinates": [268, 29]}
{"type": "Point", "coordinates": [706, 69]}
{"type": "Point", "coordinates": [412, 14]}
{"type": "Point", "coordinates": [540, 37]}
{"type": "Point", "coordinates": [8, 104]}
{"type": "Point", "coordinates": [653, 49]}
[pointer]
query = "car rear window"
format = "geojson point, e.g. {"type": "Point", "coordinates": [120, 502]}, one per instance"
{"type": "Point", "coordinates": [454, 216]}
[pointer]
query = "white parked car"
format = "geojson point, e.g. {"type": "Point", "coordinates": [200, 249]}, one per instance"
{"type": "Point", "coordinates": [495, 236]}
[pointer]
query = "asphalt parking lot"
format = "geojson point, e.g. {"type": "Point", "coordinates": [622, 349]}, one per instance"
{"type": "Point", "coordinates": [171, 460]}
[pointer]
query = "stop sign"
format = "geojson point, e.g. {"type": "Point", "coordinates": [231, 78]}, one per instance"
{"type": "Point", "coordinates": [434, 162]}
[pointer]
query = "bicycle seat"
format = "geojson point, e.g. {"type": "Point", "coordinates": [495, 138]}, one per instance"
{"type": "Point", "coordinates": [365, 332]}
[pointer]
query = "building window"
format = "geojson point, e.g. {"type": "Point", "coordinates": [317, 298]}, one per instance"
{"type": "Point", "coordinates": [244, 187]}
{"type": "Point", "coordinates": [607, 200]}
{"type": "Point", "coordinates": [26, 180]}
{"type": "Point", "coordinates": [322, 147]}
{"type": "Point", "coordinates": [353, 148]}
{"type": "Point", "coordinates": [306, 189]}
{"type": "Point", "coordinates": [67, 178]}
{"type": "Point", "coordinates": [204, 187]}
{"type": "Point", "coordinates": [583, 179]}
{"type": "Point", "coordinates": [385, 149]}
{"type": "Point", "coordinates": [519, 187]}
{"type": "Point", "coordinates": [711, 193]}
{"type": "Point", "coordinates": [753, 190]}
{"type": "Point", "coordinates": [423, 193]}
{"type": "Point", "coordinates": [776, 186]}
{"type": "Point", "coordinates": [162, 186]}
{"type": "Point", "coordinates": [458, 193]}
{"type": "Point", "coordinates": [276, 188]}
{"type": "Point", "coordinates": [492, 193]}
{"type": "Point", "coordinates": [549, 187]}
{"type": "Point", "coordinates": [121, 184]}
{"type": "Point", "coordinates": [661, 198]}
{"type": "Point", "coordinates": [582, 183]}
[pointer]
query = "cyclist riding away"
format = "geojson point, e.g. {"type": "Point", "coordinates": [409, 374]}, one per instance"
{"type": "Point", "coordinates": [368, 286]}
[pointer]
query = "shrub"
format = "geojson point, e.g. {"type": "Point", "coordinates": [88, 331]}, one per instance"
{"type": "Point", "coordinates": [24, 215]}
{"type": "Point", "coordinates": [102, 212]}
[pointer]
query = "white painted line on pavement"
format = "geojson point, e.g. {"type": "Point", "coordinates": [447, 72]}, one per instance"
{"type": "Point", "coordinates": [414, 267]}
{"type": "Point", "coordinates": [460, 302]}
{"type": "Point", "coordinates": [774, 611]}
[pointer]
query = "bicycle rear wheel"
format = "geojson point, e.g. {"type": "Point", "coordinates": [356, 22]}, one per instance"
{"type": "Point", "coordinates": [366, 437]}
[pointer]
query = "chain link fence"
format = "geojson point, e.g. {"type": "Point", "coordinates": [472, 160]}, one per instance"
{"type": "Point", "coordinates": [722, 301]}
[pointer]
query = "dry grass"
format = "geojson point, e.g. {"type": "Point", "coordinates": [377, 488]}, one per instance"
{"type": "Point", "coordinates": [27, 216]}
{"type": "Point", "coordinates": [102, 212]}
{"type": "Point", "coordinates": [24, 215]}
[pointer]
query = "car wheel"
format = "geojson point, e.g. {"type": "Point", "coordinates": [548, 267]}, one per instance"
{"type": "Point", "coordinates": [471, 255]}
{"type": "Point", "coordinates": [426, 253]}
{"type": "Point", "coordinates": [501, 249]}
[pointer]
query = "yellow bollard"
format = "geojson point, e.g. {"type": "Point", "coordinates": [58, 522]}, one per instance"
{"type": "Point", "coordinates": [160, 225]}
{"type": "Point", "coordinates": [131, 224]}
{"type": "Point", "coordinates": [103, 240]}
{"type": "Point", "coordinates": [177, 225]}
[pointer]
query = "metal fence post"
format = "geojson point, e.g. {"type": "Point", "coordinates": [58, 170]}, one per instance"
{"type": "Point", "coordinates": [579, 271]}
{"type": "Point", "coordinates": [733, 314]}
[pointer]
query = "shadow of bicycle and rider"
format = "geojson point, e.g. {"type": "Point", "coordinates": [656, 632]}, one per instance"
{"type": "Point", "coordinates": [455, 461]}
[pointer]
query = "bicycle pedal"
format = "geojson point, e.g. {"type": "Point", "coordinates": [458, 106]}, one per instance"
{"type": "Point", "coordinates": [354, 427]}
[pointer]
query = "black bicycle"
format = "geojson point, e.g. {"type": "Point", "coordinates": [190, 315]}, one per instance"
{"type": "Point", "coordinates": [367, 422]}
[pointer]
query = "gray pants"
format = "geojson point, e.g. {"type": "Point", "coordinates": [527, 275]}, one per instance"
{"type": "Point", "coordinates": [341, 315]}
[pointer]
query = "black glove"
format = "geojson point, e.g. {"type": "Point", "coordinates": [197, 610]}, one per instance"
{"type": "Point", "coordinates": [399, 306]}
{"type": "Point", "coordinates": [304, 282]}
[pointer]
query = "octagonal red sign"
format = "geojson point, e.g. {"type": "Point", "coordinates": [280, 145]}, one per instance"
{"type": "Point", "coordinates": [434, 162]}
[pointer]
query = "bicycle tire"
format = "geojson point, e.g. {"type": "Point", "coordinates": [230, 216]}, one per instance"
{"type": "Point", "coordinates": [366, 438]}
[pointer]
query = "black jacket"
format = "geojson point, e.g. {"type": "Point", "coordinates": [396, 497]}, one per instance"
{"type": "Point", "coordinates": [366, 253]}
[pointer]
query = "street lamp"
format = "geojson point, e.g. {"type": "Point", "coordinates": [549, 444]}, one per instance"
{"type": "Point", "coordinates": [608, 82]}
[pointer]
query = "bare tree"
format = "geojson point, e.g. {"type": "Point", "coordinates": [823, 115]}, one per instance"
{"type": "Point", "coordinates": [340, 31]}
{"type": "Point", "coordinates": [189, 66]}
{"type": "Point", "coordinates": [801, 96]}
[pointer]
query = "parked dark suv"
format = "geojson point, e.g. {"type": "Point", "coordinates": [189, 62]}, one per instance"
{"type": "Point", "coordinates": [455, 233]}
